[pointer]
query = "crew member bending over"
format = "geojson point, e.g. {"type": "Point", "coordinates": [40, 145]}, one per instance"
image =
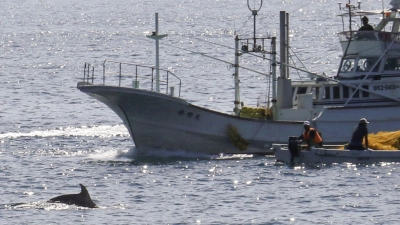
{"type": "Point", "coordinates": [311, 136]}
{"type": "Point", "coordinates": [359, 133]}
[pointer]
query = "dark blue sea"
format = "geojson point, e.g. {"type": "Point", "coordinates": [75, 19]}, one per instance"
{"type": "Point", "coordinates": [53, 137]}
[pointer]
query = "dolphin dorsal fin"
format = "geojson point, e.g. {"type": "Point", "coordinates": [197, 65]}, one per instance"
{"type": "Point", "coordinates": [84, 191]}
{"type": "Point", "coordinates": [86, 197]}
{"type": "Point", "coordinates": [81, 199]}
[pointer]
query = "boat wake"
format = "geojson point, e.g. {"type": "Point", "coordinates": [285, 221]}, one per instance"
{"type": "Point", "coordinates": [114, 155]}
{"type": "Point", "coordinates": [234, 156]}
{"type": "Point", "coordinates": [153, 155]}
{"type": "Point", "coordinates": [163, 154]}
{"type": "Point", "coordinates": [160, 155]}
{"type": "Point", "coordinates": [91, 131]}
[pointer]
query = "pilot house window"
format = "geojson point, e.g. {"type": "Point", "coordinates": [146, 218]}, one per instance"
{"type": "Point", "coordinates": [392, 64]}
{"type": "Point", "coordinates": [302, 90]}
{"type": "Point", "coordinates": [367, 65]}
{"type": "Point", "coordinates": [364, 93]}
{"type": "Point", "coordinates": [347, 65]}
{"type": "Point", "coordinates": [332, 92]}
{"type": "Point", "coordinates": [327, 94]}
{"type": "Point", "coordinates": [346, 92]}
{"type": "Point", "coordinates": [336, 92]}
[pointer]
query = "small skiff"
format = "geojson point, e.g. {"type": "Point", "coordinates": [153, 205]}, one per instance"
{"type": "Point", "coordinates": [293, 154]}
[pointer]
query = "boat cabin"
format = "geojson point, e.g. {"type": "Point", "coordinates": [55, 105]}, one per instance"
{"type": "Point", "coordinates": [326, 92]}
{"type": "Point", "coordinates": [373, 52]}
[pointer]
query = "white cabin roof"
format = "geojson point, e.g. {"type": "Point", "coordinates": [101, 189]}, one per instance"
{"type": "Point", "coordinates": [366, 13]}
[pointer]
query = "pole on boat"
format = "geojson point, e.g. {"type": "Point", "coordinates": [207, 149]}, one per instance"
{"type": "Point", "coordinates": [255, 13]}
{"type": "Point", "coordinates": [350, 7]}
{"type": "Point", "coordinates": [236, 110]}
{"type": "Point", "coordinates": [287, 43]}
{"type": "Point", "coordinates": [283, 44]}
{"type": "Point", "coordinates": [274, 79]}
{"type": "Point", "coordinates": [157, 37]}
{"type": "Point", "coordinates": [274, 64]}
{"type": "Point", "coordinates": [284, 89]}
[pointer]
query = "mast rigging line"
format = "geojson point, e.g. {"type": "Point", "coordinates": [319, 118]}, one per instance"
{"type": "Point", "coordinates": [301, 7]}
{"type": "Point", "coordinates": [221, 60]}
{"type": "Point", "coordinates": [255, 55]}
{"type": "Point", "coordinates": [322, 76]}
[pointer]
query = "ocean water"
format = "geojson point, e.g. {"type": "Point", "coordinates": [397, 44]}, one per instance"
{"type": "Point", "coordinates": [53, 137]}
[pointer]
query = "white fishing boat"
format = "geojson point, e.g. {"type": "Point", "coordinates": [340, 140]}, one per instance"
{"type": "Point", "coordinates": [367, 84]}
{"type": "Point", "coordinates": [295, 155]}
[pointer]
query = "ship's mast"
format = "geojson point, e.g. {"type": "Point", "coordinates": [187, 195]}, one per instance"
{"type": "Point", "coordinates": [284, 83]}
{"type": "Point", "coordinates": [250, 45]}
{"type": "Point", "coordinates": [350, 7]}
{"type": "Point", "coordinates": [157, 37]}
{"type": "Point", "coordinates": [245, 48]}
{"type": "Point", "coordinates": [255, 13]}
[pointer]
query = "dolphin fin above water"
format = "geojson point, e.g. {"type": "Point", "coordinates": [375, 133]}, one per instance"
{"type": "Point", "coordinates": [82, 199]}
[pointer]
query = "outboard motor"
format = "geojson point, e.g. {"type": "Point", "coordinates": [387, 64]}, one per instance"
{"type": "Point", "coordinates": [294, 147]}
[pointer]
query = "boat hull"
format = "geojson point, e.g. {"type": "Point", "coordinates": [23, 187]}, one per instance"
{"type": "Point", "coordinates": [160, 121]}
{"type": "Point", "coordinates": [317, 156]}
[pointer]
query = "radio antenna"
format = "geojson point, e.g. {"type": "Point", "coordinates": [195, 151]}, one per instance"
{"type": "Point", "coordinates": [255, 13]}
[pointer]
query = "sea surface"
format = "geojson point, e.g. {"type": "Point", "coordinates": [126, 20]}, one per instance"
{"type": "Point", "coordinates": [53, 137]}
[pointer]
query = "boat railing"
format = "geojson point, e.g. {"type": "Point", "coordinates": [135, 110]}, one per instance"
{"type": "Point", "coordinates": [134, 76]}
{"type": "Point", "coordinates": [248, 46]}
{"type": "Point", "coordinates": [88, 73]}
{"type": "Point", "coordinates": [369, 36]}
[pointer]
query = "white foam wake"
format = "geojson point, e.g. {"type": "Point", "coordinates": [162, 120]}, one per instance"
{"type": "Point", "coordinates": [94, 131]}
{"type": "Point", "coordinates": [113, 154]}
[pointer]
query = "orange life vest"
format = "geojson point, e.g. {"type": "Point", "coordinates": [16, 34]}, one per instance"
{"type": "Point", "coordinates": [317, 138]}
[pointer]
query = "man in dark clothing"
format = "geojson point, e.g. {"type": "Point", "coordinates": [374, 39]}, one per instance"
{"type": "Point", "coordinates": [366, 26]}
{"type": "Point", "coordinates": [359, 133]}
{"type": "Point", "coordinates": [364, 31]}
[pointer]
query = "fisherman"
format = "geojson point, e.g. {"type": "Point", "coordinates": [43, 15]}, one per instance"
{"type": "Point", "coordinates": [360, 132]}
{"type": "Point", "coordinates": [311, 136]}
{"type": "Point", "coordinates": [364, 31]}
{"type": "Point", "coordinates": [366, 26]}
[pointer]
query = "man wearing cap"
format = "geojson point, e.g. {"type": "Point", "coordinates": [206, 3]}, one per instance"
{"type": "Point", "coordinates": [311, 136]}
{"type": "Point", "coordinates": [363, 33]}
{"type": "Point", "coordinates": [366, 26]}
{"type": "Point", "coordinates": [359, 133]}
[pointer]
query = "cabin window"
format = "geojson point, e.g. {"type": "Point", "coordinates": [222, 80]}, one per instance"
{"type": "Point", "coordinates": [336, 92]}
{"type": "Point", "coordinates": [392, 64]}
{"type": "Point", "coordinates": [356, 94]}
{"type": "Point", "coordinates": [298, 91]}
{"type": "Point", "coordinates": [302, 90]}
{"type": "Point", "coordinates": [294, 95]}
{"type": "Point", "coordinates": [346, 92]}
{"type": "Point", "coordinates": [327, 93]}
{"type": "Point", "coordinates": [347, 65]}
{"type": "Point", "coordinates": [367, 65]}
{"type": "Point", "coordinates": [364, 93]}
{"type": "Point", "coordinates": [315, 92]}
